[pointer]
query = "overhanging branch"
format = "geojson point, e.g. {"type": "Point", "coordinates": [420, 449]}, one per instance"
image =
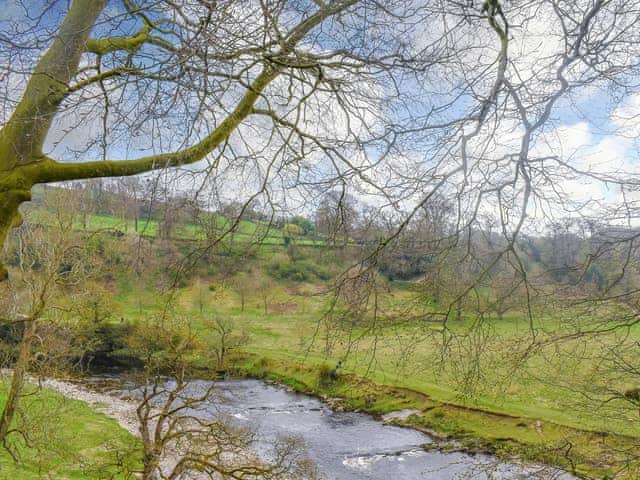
{"type": "Point", "coordinates": [49, 170]}
{"type": "Point", "coordinates": [102, 46]}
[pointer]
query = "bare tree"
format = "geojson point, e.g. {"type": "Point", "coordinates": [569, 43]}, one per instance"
{"type": "Point", "coordinates": [227, 338]}
{"type": "Point", "coordinates": [76, 64]}
{"type": "Point", "coordinates": [244, 285]}
{"type": "Point", "coordinates": [178, 443]}
{"type": "Point", "coordinates": [130, 191]}
{"type": "Point", "coordinates": [48, 261]}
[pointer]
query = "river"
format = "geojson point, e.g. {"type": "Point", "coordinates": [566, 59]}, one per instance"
{"type": "Point", "coordinates": [344, 445]}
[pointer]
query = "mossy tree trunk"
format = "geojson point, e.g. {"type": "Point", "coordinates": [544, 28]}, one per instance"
{"type": "Point", "coordinates": [17, 381]}
{"type": "Point", "coordinates": [10, 217]}
{"type": "Point", "coordinates": [23, 136]}
{"type": "Point", "coordinates": [22, 161]}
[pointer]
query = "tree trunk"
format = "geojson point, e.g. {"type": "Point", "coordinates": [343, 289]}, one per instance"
{"type": "Point", "coordinates": [151, 461]}
{"type": "Point", "coordinates": [17, 380]}
{"type": "Point", "coordinates": [222, 353]}
{"type": "Point", "coordinates": [436, 294]}
{"type": "Point", "coordinates": [10, 200]}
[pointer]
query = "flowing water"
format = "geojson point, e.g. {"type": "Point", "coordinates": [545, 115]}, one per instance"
{"type": "Point", "coordinates": [352, 446]}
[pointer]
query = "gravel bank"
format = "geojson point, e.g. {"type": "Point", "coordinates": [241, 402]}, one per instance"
{"type": "Point", "coordinates": [123, 411]}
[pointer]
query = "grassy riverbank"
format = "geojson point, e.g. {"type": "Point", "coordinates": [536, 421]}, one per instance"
{"type": "Point", "coordinates": [68, 439]}
{"type": "Point", "coordinates": [76, 442]}
{"type": "Point", "coordinates": [587, 454]}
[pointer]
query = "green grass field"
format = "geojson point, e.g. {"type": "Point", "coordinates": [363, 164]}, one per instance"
{"type": "Point", "coordinates": [531, 410]}
{"type": "Point", "coordinates": [245, 232]}
{"type": "Point", "coordinates": [70, 441]}
{"type": "Point", "coordinates": [503, 388]}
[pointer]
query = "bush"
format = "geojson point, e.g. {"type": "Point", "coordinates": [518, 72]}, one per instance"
{"type": "Point", "coordinates": [282, 268]}
{"type": "Point", "coordinates": [109, 346]}
{"type": "Point", "coordinates": [438, 414]}
{"type": "Point", "coordinates": [285, 270]}
{"type": "Point", "coordinates": [322, 272]}
{"type": "Point", "coordinates": [11, 333]}
{"type": "Point", "coordinates": [326, 375]}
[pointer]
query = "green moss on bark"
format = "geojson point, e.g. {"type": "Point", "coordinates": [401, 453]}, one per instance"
{"type": "Point", "coordinates": [102, 46]}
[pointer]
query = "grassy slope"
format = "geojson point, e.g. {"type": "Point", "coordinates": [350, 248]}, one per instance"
{"type": "Point", "coordinates": [505, 417]}
{"type": "Point", "coordinates": [72, 441]}
{"type": "Point", "coordinates": [246, 232]}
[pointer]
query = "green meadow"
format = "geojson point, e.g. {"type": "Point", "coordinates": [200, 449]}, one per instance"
{"type": "Point", "coordinates": [65, 439]}
{"type": "Point", "coordinates": [471, 381]}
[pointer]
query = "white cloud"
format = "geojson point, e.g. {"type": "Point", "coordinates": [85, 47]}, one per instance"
{"type": "Point", "coordinates": [626, 117]}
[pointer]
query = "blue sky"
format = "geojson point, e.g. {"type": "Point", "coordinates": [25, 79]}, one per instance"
{"type": "Point", "coordinates": [582, 128]}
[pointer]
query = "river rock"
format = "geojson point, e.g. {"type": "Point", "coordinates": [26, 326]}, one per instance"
{"type": "Point", "coordinates": [399, 415]}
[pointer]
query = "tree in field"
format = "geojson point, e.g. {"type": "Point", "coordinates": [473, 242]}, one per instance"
{"type": "Point", "coordinates": [130, 191]}
{"type": "Point", "coordinates": [48, 261]}
{"type": "Point", "coordinates": [291, 232]}
{"type": "Point", "coordinates": [244, 285]}
{"type": "Point", "coordinates": [264, 287]}
{"type": "Point", "coordinates": [85, 202]}
{"type": "Point", "coordinates": [179, 444]}
{"type": "Point", "coordinates": [226, 339]}
{"type": "Point", "coordinates": [202, 296]}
